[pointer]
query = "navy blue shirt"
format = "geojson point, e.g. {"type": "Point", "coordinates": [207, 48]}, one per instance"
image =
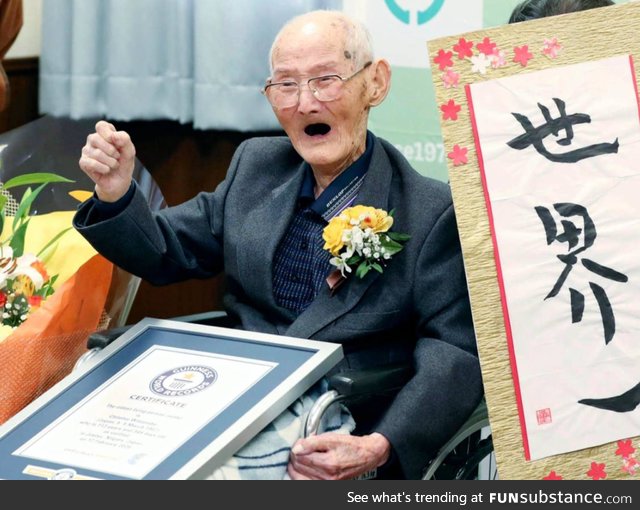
{"type": "Point", "coordinates": [301, 265]}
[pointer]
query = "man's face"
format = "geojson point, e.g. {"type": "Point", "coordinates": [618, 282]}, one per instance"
{"type": "Point", "coordinates": [328, 135]}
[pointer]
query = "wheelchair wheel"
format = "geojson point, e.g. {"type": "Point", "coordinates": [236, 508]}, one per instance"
{"type": "Point", "coordinates": [472, 469]}
{"type": "Point", "coordinates": [467, 455]}
{"type": "Point", "coordinates": [470, 459]}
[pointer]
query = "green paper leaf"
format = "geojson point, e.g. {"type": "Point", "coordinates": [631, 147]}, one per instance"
{"type": "Point", "coordinates": [17, 240]}
{"type": "Point", "coordinates": [55, 239]}
{"type": "Point", "coordinates": [34, 178]}
{"type": "Point", "coordinates": [25, 204]}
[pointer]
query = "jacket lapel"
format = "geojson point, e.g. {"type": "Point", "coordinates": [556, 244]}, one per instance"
{"type": "Point", "coordinates": [266, 225]}
{"type": "Point", "coordinates": [326, 308]}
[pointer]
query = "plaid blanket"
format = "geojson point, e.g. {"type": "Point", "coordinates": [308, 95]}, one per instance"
{"type": "Point", "coordinates": [266, 456]}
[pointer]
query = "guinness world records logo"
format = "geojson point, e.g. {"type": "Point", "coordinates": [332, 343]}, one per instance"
{"type": "Point", "coordinates": [185, 380]}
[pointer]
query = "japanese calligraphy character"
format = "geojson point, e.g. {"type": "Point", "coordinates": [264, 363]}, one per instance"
{"type": "Point", "coordinates": [623, 403]}
{"type": "Point", "coordinates": [579, 237]}
{"type": "Point", "coordinates": [535, 135]}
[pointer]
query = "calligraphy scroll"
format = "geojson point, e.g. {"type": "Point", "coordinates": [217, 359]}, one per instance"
{"type": "Point", "coordinates": [558, 153]}
{"type": "Point", "coordinates": [542, 132]}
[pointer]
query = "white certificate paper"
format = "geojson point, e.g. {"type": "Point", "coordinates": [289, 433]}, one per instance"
{"type": "Point", "coordinates": [137, 418]}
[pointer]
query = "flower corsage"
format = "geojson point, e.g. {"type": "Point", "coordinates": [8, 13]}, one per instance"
{"type": "Point", "coordinates": [359, 238]}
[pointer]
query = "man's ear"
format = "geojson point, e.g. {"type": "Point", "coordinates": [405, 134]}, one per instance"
{"type": "Point", "coordinates": [380, 83]}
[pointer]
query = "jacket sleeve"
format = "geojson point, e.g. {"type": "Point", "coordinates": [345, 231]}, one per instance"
{"type": "Point", "coordinates": [170, 245]}
{"type": "Point", "coordinates": [447, 384]}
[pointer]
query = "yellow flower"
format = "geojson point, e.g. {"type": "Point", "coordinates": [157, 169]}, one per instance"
{"type": "Point", "coordinates": [369, 217]}
{"type": "Point", "coordinates": [332, 234]}
{"type": "Point", "coordinates": [24, 285]}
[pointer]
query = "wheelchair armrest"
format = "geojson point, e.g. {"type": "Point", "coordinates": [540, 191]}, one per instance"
{"type": "Point", "coordinates": [375, 380]}
{"type": "Point", "coordinates": [214, 318]}
{"type": "Point", "coordinates": [100, 339]}
{"type": "Point", "coordinates": [348, 386]}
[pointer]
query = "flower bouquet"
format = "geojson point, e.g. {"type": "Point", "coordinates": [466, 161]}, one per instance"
{"type": "Point", "coordinates": [359, 238]}
{"type": "Point", "coordinates": [52, 293]}
{"type": "Point", "coordinates": [69, 289]}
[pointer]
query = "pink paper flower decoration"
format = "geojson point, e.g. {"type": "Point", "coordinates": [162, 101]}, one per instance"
{"type": "Point", "coordinates": [450, 110]}
{"type": "Point", "coordinates": [522, 55]}
{"type": "Point", "coordinates": [464, 48]}
{"type": "Point", "coordinates": [443, 59]}
{"type": "Point", "coordinates": [458, 155]}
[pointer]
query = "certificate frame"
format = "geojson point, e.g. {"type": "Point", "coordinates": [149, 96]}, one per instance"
{"type": "Point", "coordinates": [290, 367]}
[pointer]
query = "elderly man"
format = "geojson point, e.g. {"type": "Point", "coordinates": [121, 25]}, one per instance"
{"type": "Point", "coordinates": [264, 227]}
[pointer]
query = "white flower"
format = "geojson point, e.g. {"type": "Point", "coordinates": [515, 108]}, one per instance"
{"type": "Point", "coordinates": [480, 63]}
{"type": "Point", "coordinates": [340, 264]}
{"type": "Point", "coordinates": [11, 267]}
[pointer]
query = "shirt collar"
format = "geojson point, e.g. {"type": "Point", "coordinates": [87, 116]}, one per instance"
{"type": "Point", "coordinates": [342, 190]}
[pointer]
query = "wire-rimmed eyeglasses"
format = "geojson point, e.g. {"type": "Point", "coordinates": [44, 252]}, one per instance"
{"type": "Point", "coordinates": [285, 94]}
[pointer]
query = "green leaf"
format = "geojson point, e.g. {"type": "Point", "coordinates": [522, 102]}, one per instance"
{"type": "Point", "coordinates": [397, 236]}
{"type": "Point", "coordinates": [391, 212]}
{"type": "Point", "coordinates": [362, 270]}
{"type": "Point", "coordinates": [1, 220]}
{"type": "Point", "coordinates": [392, 251]}
{"type": "Point", "coordinates": [391, 247]}
{"type": "Point", "coordinates": [377, 267]}
{"type": "Point", "coordinates": [387, 242]}
{"type": "Point", "coordinates": [17, 240]}
{"type": "Point", "coordinates": [47, 289]}
{"type": "Point", "coordinates": [34, 178]}
{"type": "Point", "coordinates": [353, 260]}
{"type": "Point", "coordinates": [54, 240]}
{"type": "Point", "coordinates": [45, 256]}
{"type": "Point", "coordinates": [25, 204]}
{"type": "Point", "coordinates": [3, 201]}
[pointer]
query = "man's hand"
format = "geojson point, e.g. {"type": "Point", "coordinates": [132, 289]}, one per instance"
{"type": "Point", "coordinates": [333, 456]}
{"type": "Point", "coordinates": [108, 158]}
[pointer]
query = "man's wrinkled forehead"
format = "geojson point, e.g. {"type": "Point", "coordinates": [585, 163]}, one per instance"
{"type": "Point", "coordinates": [311, 36]}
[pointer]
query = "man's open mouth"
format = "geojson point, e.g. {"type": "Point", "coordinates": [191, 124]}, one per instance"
{"type": "Point", "coordinates": [318, 129]}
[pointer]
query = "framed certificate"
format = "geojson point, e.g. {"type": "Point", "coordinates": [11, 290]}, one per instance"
{"type": "Point", "coordinates": [167, 400]}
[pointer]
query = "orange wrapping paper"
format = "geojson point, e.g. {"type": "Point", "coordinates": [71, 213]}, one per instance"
{"type": "Point", "coordinates": [42, 350]}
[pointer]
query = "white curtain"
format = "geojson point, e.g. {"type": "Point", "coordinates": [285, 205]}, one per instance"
{"type": "Point", "coordinates": [200, 61]}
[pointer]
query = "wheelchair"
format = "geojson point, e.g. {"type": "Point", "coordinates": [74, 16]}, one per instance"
{"type": "Point", "coordinates": [468, 455]}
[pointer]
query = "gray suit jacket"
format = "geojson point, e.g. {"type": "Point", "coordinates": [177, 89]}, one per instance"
{"type": "Point", "coordinates": [417, 310]}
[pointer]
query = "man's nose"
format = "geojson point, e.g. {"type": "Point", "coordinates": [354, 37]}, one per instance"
{"type": "Point", "coordinates": [307, 101]}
